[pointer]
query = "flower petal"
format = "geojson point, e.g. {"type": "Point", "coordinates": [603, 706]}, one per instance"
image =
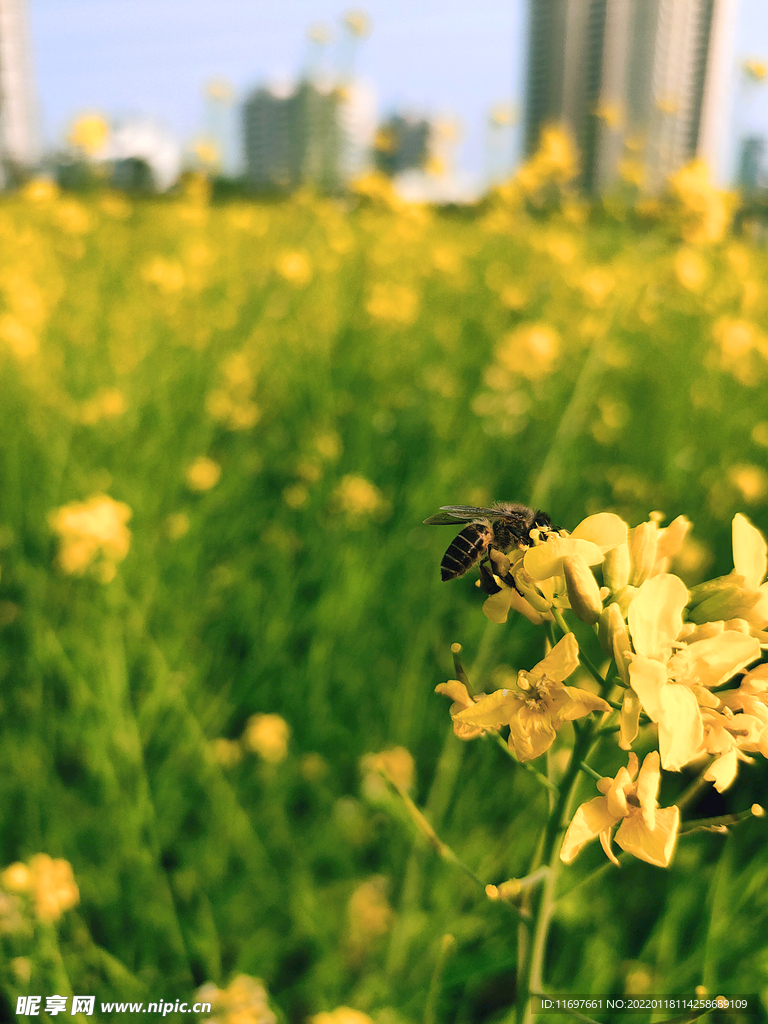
{"type": "Point", "coordinates": [589, 821]}
{"type": "Point", "coordinates": [581, 703]}
{"type": "Point", "coordinates": [629, 719]}
{"type": "Point", "coordinates": [723, 770]}
{"type": "Point", "coordinates": [647, 788]}
{"type": "Point", "coordinates": [494, 710]}
{"type": "Point", "coordinates": [656, 615]}
{"type": "Point", "coordinates": [456, 691]}
{"type": "Point", "coordinates": [605, 529]}
{"type": "Point", "coordinates": [647, 677]}
{"type": "Point", "coordinates": [681, 731]}
{"type": "Point", "coordinates": [531, 733]}
{"type": "Point", "coordinates": [654, 846]}
{"type": "Point", "coordinates": [713, 661]}
{"type": "Point", "coordinates": [561, 661]}
{"type": "Point", "coordinates": [545, 560]}
{"type": "Point", "coordinates": [750, 553]}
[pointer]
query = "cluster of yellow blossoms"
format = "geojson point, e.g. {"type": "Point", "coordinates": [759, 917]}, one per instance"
{"type": "Point", "coordinates": [48, 882]}
{"type": "Point", "coordinates": [679, 666]}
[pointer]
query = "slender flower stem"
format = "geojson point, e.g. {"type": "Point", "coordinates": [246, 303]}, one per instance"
{"type": "Point", "coordinates": [585, 661]}
{"type": "Point", "coordinates": [715, 824]}
{"type": "Point", "coordinates": [442, 849]}
{"type": "Point", "coordinates": [590, 771]}
{"type": "Point", "coordinates": [531, 952]}
{"type": "Point", "coordinates": [447, 946]}
{"type": "Point", "coordinates": [523, 764]}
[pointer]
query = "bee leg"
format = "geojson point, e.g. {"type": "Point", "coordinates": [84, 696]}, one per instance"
{"type": "Point", "coordinates": [509, 579]}
{"type": "Point", "coordinates": [487, 582]}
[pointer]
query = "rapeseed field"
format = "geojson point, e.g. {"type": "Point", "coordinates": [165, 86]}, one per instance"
{"type": "Point", "coordinates": [222, 620]}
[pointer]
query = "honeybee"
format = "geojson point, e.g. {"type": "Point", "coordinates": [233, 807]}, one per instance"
{"type": "Point", "coordinates": [505, 526]}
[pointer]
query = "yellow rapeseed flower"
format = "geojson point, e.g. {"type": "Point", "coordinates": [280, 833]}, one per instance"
{"type": "Point", "coordinates": [244, 1001]}
{"type": "Point", "coordinates": [203, 474]}
{"type": "Point", "coordinates": [647, 831]}
{"type": "Point", "coordinates": [91, 530]}
{"type": "Point", "coordinates": [267, 736]}
{"type": "Point", "coordinates": [52, 886]}
{"type": "Point", "coordinates": [358, 498]}
{"type": "Point", "coordinates": [89, 133]}
{"type": "Point", "coordinates": [393, 303]}
{"type": "Point", "coordinates": [397, 764]}
{"type": "Point", "coordinates": [756, 70]}
{"type": "Point", "coordinates": [295, 268]}
{"type": "Point", "coordinates": [530, 350]}
{"type": "Point", "coordinates": [341, 1015]}
{"type": "Point", "coordinates": [538, 704]}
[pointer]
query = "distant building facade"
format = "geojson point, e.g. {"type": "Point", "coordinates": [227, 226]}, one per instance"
{"type": "Point", "coordinates": [293, 137]}
{"type": "Point", "coordinates": [644, 80]}
{"type": "Point", "coordinates": [19, 131]}
{"type": "Point", "coordinates": [752, 164]}
{"type": "Point", "coordinates": [402, 144]}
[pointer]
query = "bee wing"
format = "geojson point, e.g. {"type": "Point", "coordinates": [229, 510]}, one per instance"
{"type": "Point", "coordinates": [450, 514]}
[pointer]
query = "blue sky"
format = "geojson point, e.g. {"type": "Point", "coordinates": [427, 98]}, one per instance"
{"type": "Point", "coordinates": [435, 56]}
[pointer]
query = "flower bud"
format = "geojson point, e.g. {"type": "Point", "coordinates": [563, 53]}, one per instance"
{"type": "Point", "coordinates": [609, 621]}
{"type": "Point", "coordinates": [624, 598]}
{"type": "Point", "coordinates": [721, 598]}
{"type": "Point", "coordinates": [583, 591]}
{"type": "Point", "coordinates": [643, 541]}
{"type": "Point", "coordinates": [616, 568]}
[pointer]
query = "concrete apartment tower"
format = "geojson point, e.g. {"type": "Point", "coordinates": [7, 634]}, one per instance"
{"type": "Point", "coordinates": [641, 79]}
{"type": "Point", "coordinates": [19, 132]}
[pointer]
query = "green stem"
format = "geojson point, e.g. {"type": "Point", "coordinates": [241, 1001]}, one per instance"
{"type": "Point", "coordinates": [522, 764]}
{"type": "Point", "coordinates": [563, 625]}
{"type": "Point", "coordinates": [590, 771]}
{"type": "Point", "coordinates": [697, 786]}
{"type": "Point", "coordinates": [531, 962]}
{"type": "Point", "coordinates": [447, 946]}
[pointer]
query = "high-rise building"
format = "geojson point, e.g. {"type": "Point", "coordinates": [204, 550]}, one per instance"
{"type": "Point", "coordinates": [293, 137]}
{"type": "Point", "coordinates": [19, 134]}
{"type": "Point", "coordinates": [644, 79]}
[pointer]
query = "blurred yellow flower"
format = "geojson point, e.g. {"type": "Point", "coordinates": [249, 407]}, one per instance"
{"type": "Point", "coordinates": [751, 482]}
{"type": "Point", "coordinates": [341, 1015]}
{"type": "Point", "coordinates": [203, 474]}
{"type": "Point", "coordinates": [89, 133]}
{"type": "Point", "coordinates": [18, 337]}
{"type": "Point", "coordinates": [52, 886]}
{"type": "Point", "coordinates": [358, 23]}
{"type": "Point", "coordinates": [226, 752]}
{"type": "Point", "coordinates": [704, 210]}
{"type": "Point", "coordinates": [244, 1001]}
{"type": "Point", "coordinates": [106, 404]}
{"type": "Point", "coordinates": [555, 162]}
{"type": "Point", "coordinates": [393, 303]}
{"type": "Point", "coordinates": [91, 530]}
{"type": "Point", "coordinates": [754, 69]}
{"type": "Point", "coordinates": [167, 275]}
{"type": "Point", "coordinates": [597, 284]}
{"type": "Point", "coordinates": [530, 350]}
{"type": "Point", "coordinates": [369, 914]}
{"type": "Point", "coordinates": [40, 190]}
{"type": "Point", "coordinates": [295, 268]}
{"type": "Point", "coordinates": [267, 736]}
{"type": "Point", "coordinates": [691, 269]}
{"type": "Point", "coordinates": [177, 525]}
{"type": "Point", "coordinates": [397, 764]}
{"type": "Point", "coordinates": [16, 878]}
{"type": "Point", "coordinates": [359, 498]}
{"type": "Point", "coordinates": [632, 171]}
{"type": "Point", "coordinates": [611, 114]}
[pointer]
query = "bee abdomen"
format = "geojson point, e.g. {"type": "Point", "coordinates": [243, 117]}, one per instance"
{"type": "Point", "coordinates": [466, 549]}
